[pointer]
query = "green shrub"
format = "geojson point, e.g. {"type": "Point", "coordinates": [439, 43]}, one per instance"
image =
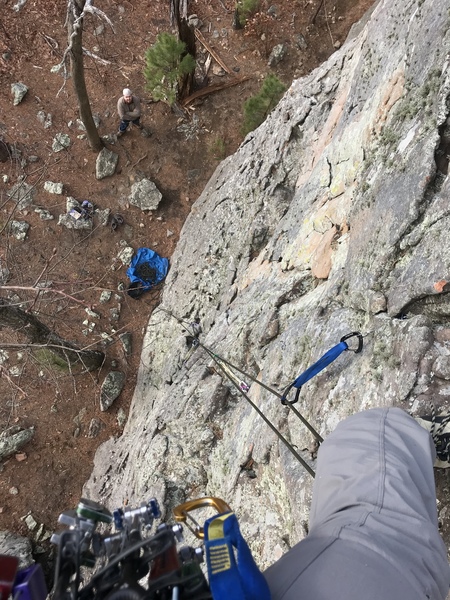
{"type": "Point", "coordinates": [166, 63]}
{"type": "Point", "coordinates": [259, 106]}
{"type": "Point", "coordinates": [245, 9]}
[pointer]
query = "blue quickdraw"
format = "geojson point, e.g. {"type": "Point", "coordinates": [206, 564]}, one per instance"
{"type": "Point", "coordinates": [321, 364]}
{"type": "Point", "coordinates": [231, 576]}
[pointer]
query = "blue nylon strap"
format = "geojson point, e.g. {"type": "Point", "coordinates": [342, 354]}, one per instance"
{"type": "Point", "coordinates": [318, 366]}
{"type": "Point", "coordinates": [232, 571]}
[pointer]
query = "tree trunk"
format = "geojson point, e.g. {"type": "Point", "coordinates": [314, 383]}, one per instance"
{"type": "Point", "coordinates": [38, 333]}
{"type": "Point", "coordinates": [178, 13]}
{"type": "Point", "coordinates": [75, 31]}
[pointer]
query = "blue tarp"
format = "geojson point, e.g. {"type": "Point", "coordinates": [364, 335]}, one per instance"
{"type": "Point", "coordinates": [147, 268]}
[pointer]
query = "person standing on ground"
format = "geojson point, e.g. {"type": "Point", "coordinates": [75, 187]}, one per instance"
{"type": "Point", "coordinates": [129, 111]}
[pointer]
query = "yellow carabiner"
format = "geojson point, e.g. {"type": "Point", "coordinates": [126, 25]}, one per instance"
{"type": "Point", "coordinates": [181, 512]}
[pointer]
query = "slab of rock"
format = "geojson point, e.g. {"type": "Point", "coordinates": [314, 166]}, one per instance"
{"type": "Point", "coordinates": [106, 163]}
{"type": "Point", "coordinates": [145, 195]}
{"type": "Point", "coordinates": [18, 90]}
{"type": "Point", "coordinates": [111, 389]}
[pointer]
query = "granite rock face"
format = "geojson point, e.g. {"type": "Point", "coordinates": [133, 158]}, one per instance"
{"type": "Point", "coordinates": [331, 217]}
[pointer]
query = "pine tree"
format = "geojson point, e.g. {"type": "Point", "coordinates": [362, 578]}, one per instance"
{"type": "Point", "coordinates": [259, 106]}
{"type": "Point", "coordinates": [166, 64]}
{"type": "Point", "coordinates": [244, 9]}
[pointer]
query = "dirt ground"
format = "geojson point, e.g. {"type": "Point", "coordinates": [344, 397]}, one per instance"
{"type": "Point", "coordinates": [47, 475]}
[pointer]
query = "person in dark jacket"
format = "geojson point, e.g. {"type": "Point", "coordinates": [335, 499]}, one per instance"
{"type": "Point", "coordinates": [129, 111]}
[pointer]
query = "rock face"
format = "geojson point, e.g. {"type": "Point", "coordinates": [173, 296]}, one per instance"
{"type": "Point", "coordinates": [18, 546]}
{"type": "Point", "coordinates": [331, 217]}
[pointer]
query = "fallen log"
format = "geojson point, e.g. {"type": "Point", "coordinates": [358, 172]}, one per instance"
{"type": "Point", "coordinates": [213, 53]}
{"type": "Point", "coordinates": [213, 88]}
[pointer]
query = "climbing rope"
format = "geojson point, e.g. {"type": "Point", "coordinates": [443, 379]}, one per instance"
{"type": "Point", "coordinates": [242, 387]}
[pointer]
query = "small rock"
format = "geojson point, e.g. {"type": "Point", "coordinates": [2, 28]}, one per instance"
{"type": "Point", "coordinates": [103, 216]}
{"type": "Point", "coordinates": [337, 44]}
{"type": "Point", "coordinates": [300, 41]}
{"type": "Point", "coordinates": [111, 388]}
{"type": "Point", "coordinates": [121, 417]}
{"type": "Point", "coordinates": [126, 339]}
{"type": "Point", "coordinates": [169, 233]}
{"type": "Point", "coordinates": [44, 214]}
{"type": "Point", "coordinates": [277, 55]}
{"type": "Point", "coordinates": [105, 296]}
{"type": "Point", "coordinates": [61, 141]}
{"type": "Point", "coordinates": [96, 119]}
{"type": "Point", "coordinates": [107, 339]}
{"type": "Point", "coordinates": [18, 90]}
{"type": "Point", "coordinates": [30, 522]}
{"type": "Point", "coordinates": [19, 229]}
{"type": "Point", "coordinates": [45, 119]}
{"type": "Point", "coordinates": [95, 426]}
{"type": "Point", "coordinates": [145, 195]}
{"type": "Point", "coordinates": [53, 188]}
{"type": "Point", "coordinates": [22, 194]}
{"type": "Point", "coordinates": [114, 314]}
{"type": "Point", "coordinates": [15, 371]}
{"type": "Point", "coordinates": [13, 491]}
{"type": "Point", "coordinates": [106, 163]}
{"type": "Point", "coordinates": [19, 4]}
{"type": "Point", "coordinates": [194, 21]}
{"type": "Point", "coordinates": [441, 367]}
{"type": "Point", "coordinates": [4, 275]}
{"type": "Point", "coordinates": [125, 255]}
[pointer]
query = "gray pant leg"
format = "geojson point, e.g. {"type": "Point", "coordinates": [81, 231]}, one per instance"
{"type": "Point", "coordinates": [373, 522]}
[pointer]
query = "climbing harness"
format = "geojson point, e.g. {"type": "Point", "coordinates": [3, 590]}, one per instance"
{"type": "Point", "coordinates": [227, 368]}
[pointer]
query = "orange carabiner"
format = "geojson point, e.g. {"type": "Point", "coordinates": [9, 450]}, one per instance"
{"type": "Point", "coordinates": [181, 512]}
